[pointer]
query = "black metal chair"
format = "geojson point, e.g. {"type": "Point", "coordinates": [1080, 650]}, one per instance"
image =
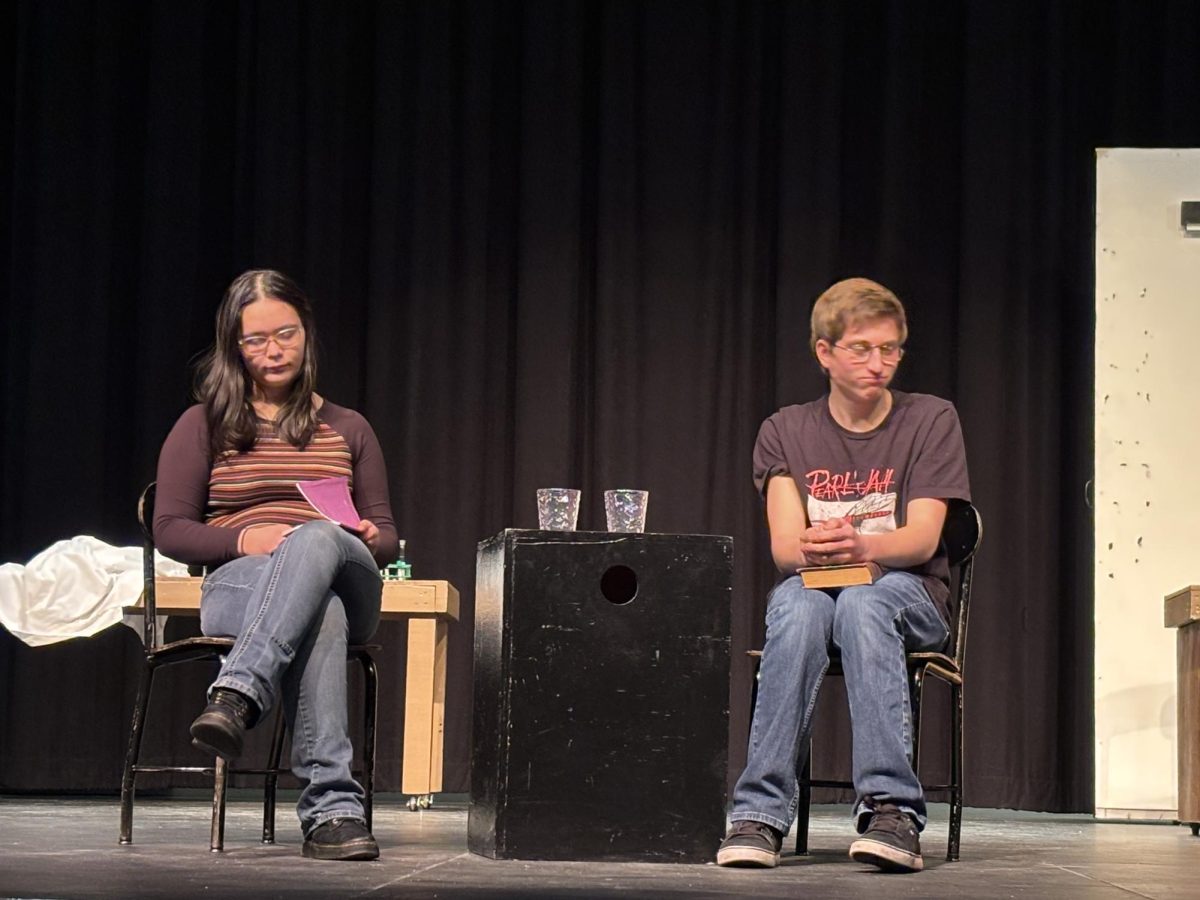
{"type": "Point", "coordinates": [961, 536]}
{"type": "Point", "coordinates": [212, 649]}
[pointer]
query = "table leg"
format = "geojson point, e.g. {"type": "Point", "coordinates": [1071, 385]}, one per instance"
{"type": "Point", "coordinates": [424, 707]}
{"type": "Point", "coordinates": [1187, 644]}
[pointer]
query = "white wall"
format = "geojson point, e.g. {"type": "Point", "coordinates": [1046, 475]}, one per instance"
{"type": "Point", "coordinates": [1147, 493]}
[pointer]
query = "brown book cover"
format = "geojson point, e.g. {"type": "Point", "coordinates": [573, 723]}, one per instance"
{"type": "Point", "coordinates": [840, 576]}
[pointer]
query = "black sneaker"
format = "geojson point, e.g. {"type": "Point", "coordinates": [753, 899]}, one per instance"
{"type": "Point", "coordinates": [221, 728]}
{"type": "Point", "coordinates": [341, 839]}
{"type": "Point", "coordinates": [751, 844]}
{"type": "Point", "coordinates": [890, 841]}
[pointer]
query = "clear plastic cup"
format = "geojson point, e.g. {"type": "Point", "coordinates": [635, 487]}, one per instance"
{"type": "Point", "coordinates": [625, 509]}
{"type": "Point", "coordinates": [558, 509]}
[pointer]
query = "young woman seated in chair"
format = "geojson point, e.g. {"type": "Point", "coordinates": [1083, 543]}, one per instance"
{"type": "Point", "coordinates": [292, 588]}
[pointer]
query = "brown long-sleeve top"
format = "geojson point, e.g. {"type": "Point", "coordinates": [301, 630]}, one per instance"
{"type": "Point", "coordinates": [203, 505]}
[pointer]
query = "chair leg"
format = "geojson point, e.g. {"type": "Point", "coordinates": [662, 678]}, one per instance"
{"type": "Point", "coordinates": [915, 686]}
{"type": "Point", "coordinates": [956, 786]}
{"type": "Point", "coordinates": [216, 842]}
{"type": "Point", "coordinates": [371, 689]}
{"type": "Point", "coordinates": [271, 783]}
{"type": "Point", "coordinates": [133, 752]}
{"type": "Point", "coordinates": [754, 686]}
{"type": "Point", "coordinates": [804, 802]}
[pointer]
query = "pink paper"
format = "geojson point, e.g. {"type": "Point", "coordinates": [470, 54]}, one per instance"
{"type": "Point", "coordinates": [331, 498]}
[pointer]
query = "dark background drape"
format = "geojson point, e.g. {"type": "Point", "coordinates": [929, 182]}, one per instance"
{"type": "Point", "coordinates": [570, 243]}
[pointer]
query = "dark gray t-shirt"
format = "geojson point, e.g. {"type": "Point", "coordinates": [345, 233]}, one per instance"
{"type": "Point", "coordinates": [870, 477]}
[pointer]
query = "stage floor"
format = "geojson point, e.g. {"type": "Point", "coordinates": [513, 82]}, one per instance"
{"type": "Point", "coordinates": [67, 848]}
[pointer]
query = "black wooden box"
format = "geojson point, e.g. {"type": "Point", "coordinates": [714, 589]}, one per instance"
{"type": "Point", "coordinates": [601, 714]}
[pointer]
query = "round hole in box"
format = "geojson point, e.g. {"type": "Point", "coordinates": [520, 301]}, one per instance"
{"type": "Point", "coordinates": [619, 584]}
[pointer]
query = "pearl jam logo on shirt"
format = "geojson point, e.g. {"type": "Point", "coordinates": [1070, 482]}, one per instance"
{"type": "Point", "coordinates": [869, 503]}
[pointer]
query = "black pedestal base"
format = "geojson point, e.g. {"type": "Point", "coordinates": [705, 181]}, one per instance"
{"type": "Point", "coordinates": [601, 713]}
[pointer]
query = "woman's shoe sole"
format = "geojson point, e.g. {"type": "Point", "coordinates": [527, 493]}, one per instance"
{"type": "Point", "coordinates": [352, 851]}
{"type": "Point", "coordinates": [215, 740]}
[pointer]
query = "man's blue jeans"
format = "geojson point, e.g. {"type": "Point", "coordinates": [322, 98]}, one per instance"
{"type": "Point", "coordinates": [873, 626]}
{"type": "Point", "coordinates": [293, 613]}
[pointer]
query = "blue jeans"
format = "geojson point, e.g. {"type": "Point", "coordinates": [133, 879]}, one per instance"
{"type": "Point", "coordinates": [873, 626]}
{"type": "Point", "coordinates": [293, 614]}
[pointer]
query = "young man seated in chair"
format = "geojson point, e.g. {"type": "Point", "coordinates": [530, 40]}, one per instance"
{"type": "Point", "coordinates": [861, 475]}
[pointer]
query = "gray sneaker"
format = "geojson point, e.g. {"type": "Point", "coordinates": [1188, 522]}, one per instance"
{"type": "Point", "coordinates": [890, 841]}
{"type": "Point", "coordinates": [751, 844]}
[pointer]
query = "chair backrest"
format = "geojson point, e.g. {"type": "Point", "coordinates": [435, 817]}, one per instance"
{"type": "Point", "coordinates": [962, 534]}
{"type": "Point", "coordinates": [145, 514]}
{"type": "Point", "coordinates": [145, 510]}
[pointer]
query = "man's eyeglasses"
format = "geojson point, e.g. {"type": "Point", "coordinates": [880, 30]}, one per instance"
{"type": "Point", "coordinates": [286, 338]}
{"type": "Point", "coordinates": [860, 351]}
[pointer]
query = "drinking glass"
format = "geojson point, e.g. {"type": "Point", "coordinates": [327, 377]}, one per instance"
{"type": "Point", "coordinates": [558, 509]}
{"type": "Point", "coordinates": [625, 509]}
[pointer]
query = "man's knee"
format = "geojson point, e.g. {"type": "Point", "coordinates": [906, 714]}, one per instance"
{"type": "Point", "coordinates": [797, 613]}
{"type": "Point", "coordinates": [860, 610]}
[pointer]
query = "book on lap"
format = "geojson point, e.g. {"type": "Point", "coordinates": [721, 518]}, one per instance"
{"type": "Point", "coordinates": [331, 498]}
{"type": "Point", "coordinates": [840, 576]}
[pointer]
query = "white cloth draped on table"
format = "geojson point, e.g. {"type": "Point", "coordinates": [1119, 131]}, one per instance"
{"type": "Point", "coordinates": [73, 588]}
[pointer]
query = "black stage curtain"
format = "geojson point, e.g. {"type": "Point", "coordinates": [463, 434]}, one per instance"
{"type": "Point", "coordinates": [571, 243]}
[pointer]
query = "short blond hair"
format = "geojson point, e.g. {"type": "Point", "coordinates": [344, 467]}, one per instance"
{"type": "Point", "coordinates": [851, 302]}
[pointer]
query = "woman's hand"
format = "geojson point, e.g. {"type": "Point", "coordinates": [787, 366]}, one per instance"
{"type": "Point", "coordinates": [369, 534]}
{"type": "Point", "coordinates": [259, 539]}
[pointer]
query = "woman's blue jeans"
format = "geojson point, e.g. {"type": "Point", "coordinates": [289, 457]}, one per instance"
{"type": "Point", "coordinates": [873, 626]}
{"type": "Point", "coordinates": [293, 614]}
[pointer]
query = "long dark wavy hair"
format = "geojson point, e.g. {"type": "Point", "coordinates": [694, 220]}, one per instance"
{"type": "Point", "coordinates": [224, 385]}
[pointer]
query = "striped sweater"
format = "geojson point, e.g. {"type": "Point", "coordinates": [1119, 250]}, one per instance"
{"type": "Point", "coordinates": [202, 506]}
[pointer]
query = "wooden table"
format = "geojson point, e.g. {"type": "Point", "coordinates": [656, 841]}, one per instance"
{"type": "Point", "coordinates": [1182, 611]}
{"type": "Point", "coordinates": [429, 606]}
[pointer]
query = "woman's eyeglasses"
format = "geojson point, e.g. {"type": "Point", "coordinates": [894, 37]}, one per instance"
{"type": "Point", "coordinates": [285, 338]}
